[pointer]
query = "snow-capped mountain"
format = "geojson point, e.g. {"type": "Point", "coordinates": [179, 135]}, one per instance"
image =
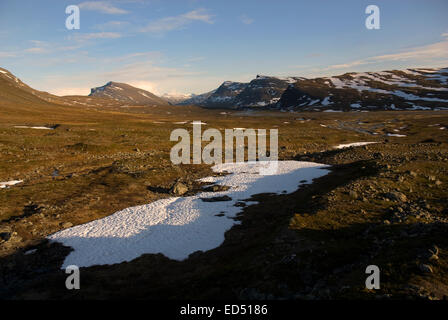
{"type": "Point", "coordinates": [225, 95]}
{"type": "Point", "coordinates": [197, 99]}
{"type": "Point", "coordinates": [127, 94]}
{"type": "Point", "coordinates": [410, 89]}
{"type": "Point", "coordinates": [263, 91]}
{"type": "Point", "coordinates": [414, 89]}
{"type": "Point", "coordinates": [175, 98]}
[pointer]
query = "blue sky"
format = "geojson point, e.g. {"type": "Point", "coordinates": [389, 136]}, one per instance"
{"type": "Point", "coordinates": [192, 46]}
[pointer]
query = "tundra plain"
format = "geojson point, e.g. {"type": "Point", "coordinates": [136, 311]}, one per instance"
{"type": "Point", "coordinates": [383, 203]}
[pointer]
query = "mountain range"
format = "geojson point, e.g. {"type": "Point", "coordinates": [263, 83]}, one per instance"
{"type": "Point", "coordinates": [409, 89]}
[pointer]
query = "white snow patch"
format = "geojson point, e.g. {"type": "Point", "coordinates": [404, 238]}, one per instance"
{"type": "Point", "coordinates": [38, 128]}
{"type": "Point", "coordinates": [326, 101]}
{"type": "Point", "coordinates": [354, 144]}
{"type": "Point", "coordinates": [7, 184]}
{"type": "Point", "coordinates": [30, 251]}
{"type": "Point", "coordinates": [179, 226]}
{"type": "Point", "coordinates": [396, 135]}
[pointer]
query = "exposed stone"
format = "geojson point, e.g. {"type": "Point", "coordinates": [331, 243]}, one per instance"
{"type": "Point", "coordinates": [5, 236]}
{"type": "Point", "coordinates": [66, 225]}
{"type": "Point", "coordinates": [353, 194]}
{"type": "Point", "coordinates": [396, 196]}
{"type": "Point", "coordinates": [433, 258]}
{"type": "Point", "coordinates": [179, 189]}
{"type": "Point", "coordinates": [217, 199]}
{"type": "Point", "coordinates": [426, 268]}
{"type": "Point", "coordinates": [434, 250]}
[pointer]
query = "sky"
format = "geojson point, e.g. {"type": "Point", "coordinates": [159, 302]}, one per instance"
{"type": "Point", "coordinates": [192, 46]}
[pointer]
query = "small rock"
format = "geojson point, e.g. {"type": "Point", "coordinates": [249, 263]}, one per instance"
{"type": "Point", "coordinates": [434, 250]}
{"type": "Point", "coordinates": [396, 196]}
{"type": "Point", "coordinates": [5, 236]}
{"type": "Point", "coordinates": [426, 268]}
{"type": "Point", "coordinates": [433, 258]}
{"type": "Point", "coordinates": [66, 225]}
{"type": "Point", "coordinates": [179, 189]}
{"type": "Point", "coordinates": [217, 199]}
{"type": "Point", "coordinates": [353, 194]}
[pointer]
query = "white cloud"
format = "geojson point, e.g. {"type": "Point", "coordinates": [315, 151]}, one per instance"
{"type": "Point", "coordinates": [36, 50]}
{"type": "Point", "coordinates": [101, 6]}
{"type": "Point", "coordinates": [5, 54]}
{"type": "Point", "coordinates": [112, 25]}
{"type": "Point", "coordinates": [145, 85]}
{"type": "Point", "coordinates": [246, 20]}
{"type": "Point", "coordinates": [422, 54]}
{"type": "Point", "coordinates": [96, 35]}
{"type": "Point", "coordinates": [178, 22]}
{"type": "Point", "coordinates": [144, 70]}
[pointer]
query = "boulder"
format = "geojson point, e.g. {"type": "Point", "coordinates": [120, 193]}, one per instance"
{"type": "Point", "coordinates": [396, 196]}
{"type": "Point", "coordinates": [179, 189]}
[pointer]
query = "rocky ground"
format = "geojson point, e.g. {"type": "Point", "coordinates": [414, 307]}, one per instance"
{"type": "Point", "coordinates": [382, 204]}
